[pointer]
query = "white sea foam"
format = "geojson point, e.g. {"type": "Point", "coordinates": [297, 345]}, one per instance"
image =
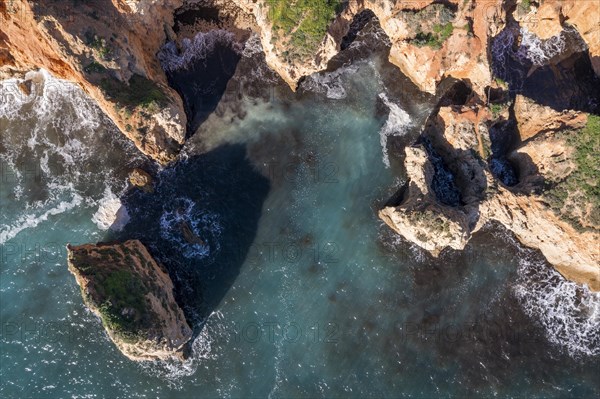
{"type": "Point", "coordinates": [531, 48]}
{"type": "Point", "coordinates": [206, 226]}
{"type": "Point", "coordinates": [47, 143]}
{"type": "Point", "coordinates": [329, 83]}
{"type": "Point", "coordinates": [111, 212]}
{"type": "Point", "coordinates": [252, 47]}
{"type": "Point", "coordinates": [32, 220]}
{"type": "Point", "coordinates": [201, 349]}
{"type": "Point", "coordinates": [569, 312]}
{"type": "Point", "coordinates": [198, 48]}
{"type": "Point", "coordinates": [538, 51]}
{"type": "Point", "coordinates": [397, 124]}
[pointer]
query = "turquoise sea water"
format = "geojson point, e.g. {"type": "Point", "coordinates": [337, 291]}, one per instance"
{"type": "Point", "coordinates": [300, 290]}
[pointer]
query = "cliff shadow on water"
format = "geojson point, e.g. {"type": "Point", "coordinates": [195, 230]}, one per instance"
{"type": "Point", "coordinates": [199, 71]}
{"type": "Point", "coordinates": [199, 222]}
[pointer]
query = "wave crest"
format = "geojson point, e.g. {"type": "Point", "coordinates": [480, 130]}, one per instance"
{"type": "Point", "coordinates": [568, 312]}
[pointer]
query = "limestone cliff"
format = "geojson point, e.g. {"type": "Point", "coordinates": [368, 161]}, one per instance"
{"type": "Point", "coordinates": [133, 296]}
{"type": "Point", "coordinates": [428, 41]}
{"type": "Point", "coordinates": [108, 48]}
{"type": "Point", "coordinates": [551, 16]}
{"type": "Point", "coordinates": [454, 141]}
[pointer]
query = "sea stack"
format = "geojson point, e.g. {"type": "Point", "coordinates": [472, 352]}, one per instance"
{"type": "Point", "coordinates": [133, 296]}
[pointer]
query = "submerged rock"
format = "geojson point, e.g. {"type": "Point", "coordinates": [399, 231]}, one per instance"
{"type": "Point", "coordinates": [133, 296]}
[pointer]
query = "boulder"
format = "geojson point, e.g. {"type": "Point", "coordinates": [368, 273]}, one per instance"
{"type": "Point", "coordinates": [142, 179]}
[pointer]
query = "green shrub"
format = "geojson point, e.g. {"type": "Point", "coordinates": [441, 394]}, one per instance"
{"type": "Point", "coordinates": [435, 39]}
{"type": "Point", "coordinates": [94, 67]}
{"type": "Point", "coordinates": [303, 22]}
{"type": "Point", "coordinates": [525, 6]}
{"type": "Point", "coordinates": [138, 92]}
{"type": "Point", "coordinates": [497, 109]}
{"type": "Point", "coordinates": [582, 186]}
{"type": "Point", "coordinates": [99, 44]}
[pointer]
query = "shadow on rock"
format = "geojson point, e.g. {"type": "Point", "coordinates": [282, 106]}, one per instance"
{"type": "Point", "coordinates": [199, 222]}
{"type": "Point", "coordinates": [558, 73]}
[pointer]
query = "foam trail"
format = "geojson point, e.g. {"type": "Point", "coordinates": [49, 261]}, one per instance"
{"type": "Point", "coordinates": [538, 51]}
{"type": "Point", "coordinates": [252, 47]}
{"type": "Point", "coordinates": [568, 312]}
{"type": "Point", "coordinates": [174, 370]}
{"type": "Point", "coordinates": [51, 135]}
{"type": "Point", "coordinates": [198, 48]}
{"type": "Point", "coordinates": [329, 83]}
{"type": "Point", "coordinates": [530, 49]}
{"type": "Point", "coordinates": [397, 124]}
{"type": "Point", "coordinates": [111, 212]}
{"type": "Point", "coordinates": [183, 213]}
{"type": "Point", "coordinates": [30, 220]}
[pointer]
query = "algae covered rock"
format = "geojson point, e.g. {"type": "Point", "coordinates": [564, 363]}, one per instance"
{"type": "Point", "coordinates": [133, 296]}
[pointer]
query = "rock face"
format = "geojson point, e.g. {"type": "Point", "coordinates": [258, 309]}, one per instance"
{"type": "Point", "coordinates": [534, 119]}
{"type": "Point", "coordinates": [428, 41]}
{"type": "Point", "coordinates": [525, 209]}
{"type": "Point", "coordinates": [142, 179]}
{"type": "Point", "coordinates": [108, 48]}
{"type": "Point", "coordinates": [133, 296]}
{"type": "Point", "coordinates": [549, 19]}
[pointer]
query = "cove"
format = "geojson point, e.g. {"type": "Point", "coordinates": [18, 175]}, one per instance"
{"type": "Point", "coordinates": [295, 286]}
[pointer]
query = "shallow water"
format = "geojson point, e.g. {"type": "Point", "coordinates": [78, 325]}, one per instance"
{"type": "Point", "coordinates": [299, 289]}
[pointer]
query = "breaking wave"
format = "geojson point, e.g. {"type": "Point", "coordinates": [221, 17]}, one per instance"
{"type": "Point", "coordinates": [198, 48]}
{"type": "Point", "coordinates": [55, 146]}
{"type": "Point", "coordinates": [397, 124]}
{"type": "Point", "coordinates": [520, 45]}
{"type": "Point", "coordinates": [329, 83]}
{"type": "Point", "coordinates": [568, 312]}
{"type": "Point", "coordinates": [252, 47]}
{"type": "Point", "coordinates": [539, 51]}
{"type": "Point", "coordinates": [33, 219]}
{"type": "Point", "coordinates": [111, 214]}
{"type": "Point", "coordinates": [174, 370]}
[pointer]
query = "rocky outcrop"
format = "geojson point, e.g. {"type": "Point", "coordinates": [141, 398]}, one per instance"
{"type": "Point", "coordinates": [458, 173]}
{"type": "Point", "coordinates": [429, 42]}
{"type": "Point", "coordinates": [109, 49]}
{"type": "Point", "coordinates": [423, 218]}
{"type": "Point", "coordinates": [550, 17]}
{"type": "Point", "coordinates": [133, 296]}
{"type": "Point", "coordinates": [533, 119]}
{"type": "Point", "coordinates": [142, 179]}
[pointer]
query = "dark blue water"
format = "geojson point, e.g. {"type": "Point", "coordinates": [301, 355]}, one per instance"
{"type": "Point", "coordinates": [296, 289]}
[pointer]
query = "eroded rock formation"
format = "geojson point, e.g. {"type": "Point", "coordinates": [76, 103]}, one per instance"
{"type": "Point", "coordinates": [455, 135]}
{"type": "Point", "coordinates": [109, 49]}
{"type": "Point", "coordinates": [133, 296]}
{"type": "Point", "coordinates": [524, 179]}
